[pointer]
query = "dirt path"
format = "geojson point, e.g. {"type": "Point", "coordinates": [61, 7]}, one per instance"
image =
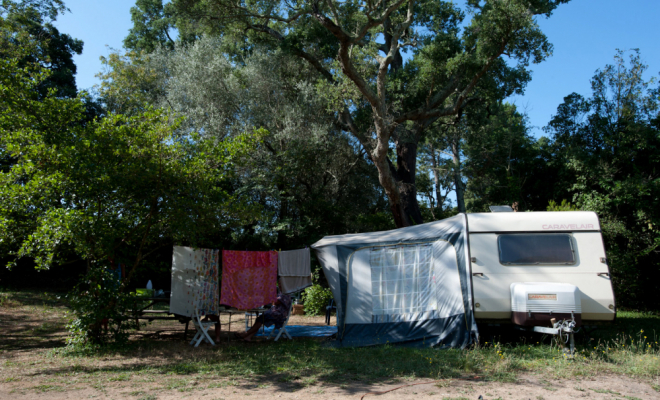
{"type": "Point", "coordinates": [528, 387]}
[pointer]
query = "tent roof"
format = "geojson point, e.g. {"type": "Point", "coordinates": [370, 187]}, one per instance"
{"type": "Point", "coordinates": [417, 232]}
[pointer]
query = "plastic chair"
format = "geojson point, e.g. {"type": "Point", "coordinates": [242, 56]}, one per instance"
{"type": "Point", "coordinates": [331, 306]}
{"type": "Point", "coordinates": [283, 328]}
{"type": "Point", "coordinates": [202, 329]}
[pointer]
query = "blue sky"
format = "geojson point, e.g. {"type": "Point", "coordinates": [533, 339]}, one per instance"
{"type": "Point", "coordinates": [585, 35]}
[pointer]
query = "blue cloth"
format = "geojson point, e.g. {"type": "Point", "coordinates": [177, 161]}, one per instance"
{"type": "Point", "coordinates": [304, 331]}
{"type": "Point", "coordinates": [117, 274]}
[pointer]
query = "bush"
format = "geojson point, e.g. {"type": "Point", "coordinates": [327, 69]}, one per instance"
{"type": "Point", "coordinates": [316, 298]}
{"type": "Point", "coordinates": [96, 301]}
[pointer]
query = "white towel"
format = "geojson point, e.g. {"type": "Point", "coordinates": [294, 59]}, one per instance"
{"type": "Point", "coordinates": [194, 280]}
{"type": "Point", "coordinates": [294, 269]}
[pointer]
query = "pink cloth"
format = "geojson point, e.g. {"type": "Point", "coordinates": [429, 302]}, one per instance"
{"type": "Point", "coordinates": [249, 278]}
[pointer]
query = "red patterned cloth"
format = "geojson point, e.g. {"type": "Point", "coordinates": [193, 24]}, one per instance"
{"type": "Point", "coordinates": [249, 278]}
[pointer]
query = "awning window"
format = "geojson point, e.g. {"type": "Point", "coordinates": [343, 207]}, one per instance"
{"type": "Point", "coordinates": [402, 280]}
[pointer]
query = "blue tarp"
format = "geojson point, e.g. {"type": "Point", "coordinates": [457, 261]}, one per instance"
{"type": "Point", "coordinates": [304, 331]}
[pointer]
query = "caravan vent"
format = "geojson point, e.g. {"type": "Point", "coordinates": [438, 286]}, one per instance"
{"type": "Point", "coordinates": [500, 208]}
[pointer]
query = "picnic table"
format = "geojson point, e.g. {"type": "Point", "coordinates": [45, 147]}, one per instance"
{"type": "Point", "coordinates": [143, 311]}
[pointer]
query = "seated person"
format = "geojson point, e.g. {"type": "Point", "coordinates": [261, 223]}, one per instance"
{"type": "Point", "coordinates": [275, 316]}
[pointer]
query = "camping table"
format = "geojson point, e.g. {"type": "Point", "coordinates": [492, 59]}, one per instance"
{"type": "Point", "coordinates": [253, 311]}
{"type": "Point", "coordinates": [142, 313]}
{"type": "Point", "coordinates": [230, 312]}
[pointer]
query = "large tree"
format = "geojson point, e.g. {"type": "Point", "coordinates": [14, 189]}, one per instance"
{"type": "Point", "coordinates": [311, 177]}
{"type": "Point", "coordinates": [358, 47]}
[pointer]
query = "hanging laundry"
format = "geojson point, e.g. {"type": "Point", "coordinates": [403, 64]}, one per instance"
{"type": "Point", "coordinates": [194, 281]}
{"type": "Point", "coordinates": [248, 278]}
{"type": "Point", "coordinates": [294, 270]}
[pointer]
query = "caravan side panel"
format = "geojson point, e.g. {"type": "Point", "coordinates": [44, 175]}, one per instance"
{"type": "Point", "coordinates": [492, 280]}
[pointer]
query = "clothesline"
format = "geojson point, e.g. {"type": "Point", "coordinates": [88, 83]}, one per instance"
{"type": "Point", "coordinates": [249, 278]}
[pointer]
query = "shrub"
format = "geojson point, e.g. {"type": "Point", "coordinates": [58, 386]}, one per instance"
{"type": "Point", "coordinates": [96, 301]}
{"type": "Point", "coordinates": [316, 298]}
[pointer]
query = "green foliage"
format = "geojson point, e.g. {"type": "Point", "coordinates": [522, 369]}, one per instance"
{"type": "Point", "coordinates": [113, 189]}
{"type": "Point", "coordinates": [316, 298]}
{"type": "Point", "coordinates": [101, 311]}
{"type": "Point", "coordinates": [355, 50]}
{"type": "Point", "coordinates": [501, 159]}
{"type": "Point", "coordinates": [308, 176]}
{"type": "Point", "coordinates": [151, 25]}
{"type": "Point", "coordinates": [154, 26]}
{"type": "Point", "coordinates": [609, 145]}
{"type": "Point", "coordinates": [30, 24]}
{"type": "Point", "coordinates": [129, 85]}
{"type": "Point", "coordinates": [564, 206]}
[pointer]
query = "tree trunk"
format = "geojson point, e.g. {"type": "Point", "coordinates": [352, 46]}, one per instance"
{"type": "Point", "coordinates": [284, 205]}
{"type": "Point", "coordinates": [389, 183]}
{"type": "Point", "coordinates": [406, 170]}
{"type": "Point", "coordinates": [436, 178]}
{"type": "Point", "coordinates": [458, 181]}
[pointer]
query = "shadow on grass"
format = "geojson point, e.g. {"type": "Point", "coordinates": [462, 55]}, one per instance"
{"type": "Point", "coordinates": [286, 366]}
{"type": "Point", "coordinates": [31, 298]}
{"type": "Point", "coordinates": [29, 332]}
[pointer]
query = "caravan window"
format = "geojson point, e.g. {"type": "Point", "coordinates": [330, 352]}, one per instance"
{"type": "Point", "coordinates": [402, 279]}
{"type": "Point", "coordinates": [543, 248]}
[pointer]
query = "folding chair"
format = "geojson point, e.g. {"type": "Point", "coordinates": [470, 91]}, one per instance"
{"type": "Point", "coordinates": [283, 328]}
{"type": "Point", "coordinates": [328, 309]}
{"type": "Point", "coordinates": [202, 329]}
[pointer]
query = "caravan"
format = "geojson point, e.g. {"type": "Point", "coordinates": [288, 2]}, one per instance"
{"type": "Point", "coordinates": [429, 284]}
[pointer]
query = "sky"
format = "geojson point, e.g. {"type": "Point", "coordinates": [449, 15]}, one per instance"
{"type": "Point", "coordinates": [585, 35]}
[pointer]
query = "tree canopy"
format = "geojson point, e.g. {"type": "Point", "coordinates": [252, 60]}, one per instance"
{"type": "Point", "coordinates": [357, 50]}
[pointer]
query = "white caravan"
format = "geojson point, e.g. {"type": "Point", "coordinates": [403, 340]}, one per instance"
{"type": "Point", "coordinates": [427, 284]}
{"type": "Point", "coordinates": [530, 267]}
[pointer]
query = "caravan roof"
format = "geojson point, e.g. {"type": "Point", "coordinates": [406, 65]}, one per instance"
{"type": "Point", "coordinates": [533, 222]}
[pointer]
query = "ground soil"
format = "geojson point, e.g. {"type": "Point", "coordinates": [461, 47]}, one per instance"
{"type": "Point", "coordinates": [531, 387]}
{"type": "Point", "coordinates": [28, 372]}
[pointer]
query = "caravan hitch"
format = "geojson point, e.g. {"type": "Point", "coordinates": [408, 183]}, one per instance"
{"type": "Point", "coordinates": [565, 329]}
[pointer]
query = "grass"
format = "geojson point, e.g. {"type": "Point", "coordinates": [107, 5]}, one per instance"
{"type": "Point", "coordinates": [629, 347]}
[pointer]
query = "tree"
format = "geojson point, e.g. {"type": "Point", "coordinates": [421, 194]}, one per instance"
{"type": "Point", "coordinates": [116, 185]}
{"type": "Point", "coordinates": [502, 161]}
{"type": "Point", "coordinates": [309, 176]}
{"type": "Point", "coordinates": [357, 50]}
{"type": "Point", "coordinates": [110, 189]}
{"type": "Point", "coordinates": [30, 23]}
{"type": "Point", "coordinates": [152, 23]}
{"type": "Point", "coordinates": [130, 84]}
{"type": "Point", "coordinates": [610, 143]}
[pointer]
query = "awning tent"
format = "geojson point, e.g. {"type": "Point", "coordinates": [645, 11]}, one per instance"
{"type": "Point", "coordinates": [409, 285]}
